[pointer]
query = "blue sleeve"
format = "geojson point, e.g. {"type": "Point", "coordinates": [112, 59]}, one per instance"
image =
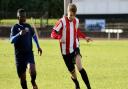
{"type": "Point", "coordinates": [13, 35]}
{"type": "Point", "coordinates": [36, 40]}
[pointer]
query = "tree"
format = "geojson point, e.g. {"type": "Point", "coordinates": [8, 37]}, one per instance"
{"type": "Point", "coordinates": [54, 8]}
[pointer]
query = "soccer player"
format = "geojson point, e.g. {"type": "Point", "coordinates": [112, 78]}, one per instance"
{"type": "Point", "coordinates": [66, 30]}
{"type": "Point", "coordinates": [21, 36]}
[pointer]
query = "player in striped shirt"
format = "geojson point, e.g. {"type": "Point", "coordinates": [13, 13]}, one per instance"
{"type": "Point", "coordinates": [66, 30]}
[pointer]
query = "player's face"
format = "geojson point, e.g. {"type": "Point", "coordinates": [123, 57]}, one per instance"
{"type": "Point", "coordinates": [71, 15]}
{"type": "Point", "coordinates": [22, 17]}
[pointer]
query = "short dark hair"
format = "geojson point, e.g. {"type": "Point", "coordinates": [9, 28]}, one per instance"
{"type": "Point", "coordinates": [72, 8]}
{"type": "Point", "coordinates": [21, 12]}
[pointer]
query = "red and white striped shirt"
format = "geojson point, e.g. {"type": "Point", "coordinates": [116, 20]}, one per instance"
{"type": "Point", "coordinates": [68, 34]}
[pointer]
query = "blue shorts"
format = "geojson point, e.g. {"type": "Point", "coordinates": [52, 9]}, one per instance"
{"type": "Point", "coordinates": [22, 62]}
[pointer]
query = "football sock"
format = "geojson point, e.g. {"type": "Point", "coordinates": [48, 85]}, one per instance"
{"type": "Point", "coordinates": [76, 83]}
{"type": "Point", "coordinates": [85, 78]}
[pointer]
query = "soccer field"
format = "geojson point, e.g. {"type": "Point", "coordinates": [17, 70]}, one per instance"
{"type": "Point", "coordinates": [106, 63]}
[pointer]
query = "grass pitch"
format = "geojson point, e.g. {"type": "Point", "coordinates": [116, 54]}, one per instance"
{"type": "Point", "coordinates": [10, 22]}
{"type": "Point", "coordinates": [106, 63]}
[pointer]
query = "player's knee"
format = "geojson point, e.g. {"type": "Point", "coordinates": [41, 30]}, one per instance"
{"type": "Point", "coordinates": [78, 56]}
{"type": "Point", "coordinates": [73, 73]}
{"type": "Point", "coordinates": [78, 64]}
{"type": "Point", "coordinates": [33, 77]}
{"type": "Point", "coordinates": [33, 72]}
{"type": "Point", "coordinates": [23, 77]}
{"type": "Point", "coordinates": [32, 65]}
{"type": "Point", "coordinates": [79, 68]}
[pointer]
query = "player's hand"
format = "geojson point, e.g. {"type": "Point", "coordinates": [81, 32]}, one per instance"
{"type": "Point", "coordinates": [23, 32]}
{"type": "Point", "coordinates": [40, 51]}
{"type": "Point", "coordinates": [88, 39]}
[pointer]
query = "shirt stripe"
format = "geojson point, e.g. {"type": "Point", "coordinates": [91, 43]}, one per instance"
{"type": "Point", "coordinates": [67, 35]}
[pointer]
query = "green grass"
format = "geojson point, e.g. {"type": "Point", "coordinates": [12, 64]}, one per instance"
{"type": "Point", "coordinates": [10, 22]}
{"type": "Point", "coordinates": [106, 63]}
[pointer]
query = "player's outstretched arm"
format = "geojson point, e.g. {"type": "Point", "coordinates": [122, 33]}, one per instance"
{"type": "Point", "coordinates": [37, 44]}
{"type": "Point", "coordinates": [82, 35]}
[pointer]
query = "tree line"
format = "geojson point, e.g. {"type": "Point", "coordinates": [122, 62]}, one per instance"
{"type": "Point", "coordinates": [35, 8]}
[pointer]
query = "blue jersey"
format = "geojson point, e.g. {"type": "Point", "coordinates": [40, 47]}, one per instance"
{"type": "Point", "coordinates": [22, 43]}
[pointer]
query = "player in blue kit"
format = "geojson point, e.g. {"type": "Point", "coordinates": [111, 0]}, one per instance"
{"type": "Point", "coordinates": [21, 36]}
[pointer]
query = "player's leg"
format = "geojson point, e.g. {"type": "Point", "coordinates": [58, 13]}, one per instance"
{"type": "Point", "coordinates": [21, 70]}
{"type": "Point", "coordinates": [74, 79]}
{"type": "Point", "coordinates": [32, 71]}
{"type": "Point", "coordinates": [71, 68]}
{"type": "Point", "coordinates": [78, 62]}
{"type": "Point", "coordinates": [23, 81]}
{"type": "Point", "coordinates": [82, 71]}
